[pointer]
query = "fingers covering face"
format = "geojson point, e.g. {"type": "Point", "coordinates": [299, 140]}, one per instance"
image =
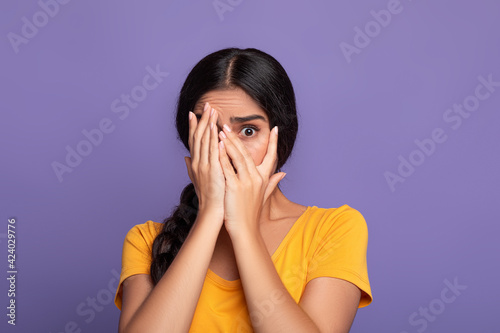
{"type": "Point", "coordinates": [237, 152]}
{"type": "Point", "coordinates": [227, 168]}
{"type": "Point", "coordinates": [214, 140]}
{"type": "Point", "coordinates": [205, 138]}
{"type": "Point", "coordinates": [196, 131]}
{"type": "Point", "coordinates": [241, 158]}
{"type": "Point", "coordinates": [271, 157]}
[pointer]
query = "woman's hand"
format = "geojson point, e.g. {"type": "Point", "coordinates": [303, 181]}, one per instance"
{"type": "Point", "coordinates": [248, 189]}
{"type": "Point", "coordinates": [203, 166]}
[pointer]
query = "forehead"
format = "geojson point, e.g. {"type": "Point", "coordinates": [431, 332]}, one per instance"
{"type": "Point", "coordinates": [234, 102]}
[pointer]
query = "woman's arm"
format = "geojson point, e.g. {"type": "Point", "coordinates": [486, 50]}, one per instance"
{"type": "Point", "coordinates": [329, 304]}
{"type": "Point", "coordinates": [270, 306]}
{"type": "Point", "coordinates": [170, 305]}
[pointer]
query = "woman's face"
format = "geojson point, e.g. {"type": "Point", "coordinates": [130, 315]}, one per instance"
{"type": "Point", "coordinates": [243, 116]}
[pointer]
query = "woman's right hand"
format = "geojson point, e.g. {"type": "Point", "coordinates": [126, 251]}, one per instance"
{"type": "Point", "coordinates": [204, 168]}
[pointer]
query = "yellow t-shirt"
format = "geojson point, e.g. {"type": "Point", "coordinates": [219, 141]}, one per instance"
{"type": "Point", "coordinates": [322, 242]}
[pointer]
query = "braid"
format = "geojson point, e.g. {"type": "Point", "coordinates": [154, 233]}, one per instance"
{"type": "Point", "coordinates": [174, 232]}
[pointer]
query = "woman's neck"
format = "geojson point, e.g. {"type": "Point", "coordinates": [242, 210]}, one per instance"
{"type": "Point", "coordinates": [275, 207]}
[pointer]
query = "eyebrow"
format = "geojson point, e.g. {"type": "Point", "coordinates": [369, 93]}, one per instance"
{"type": "Point", "coordinates": [241, 119]}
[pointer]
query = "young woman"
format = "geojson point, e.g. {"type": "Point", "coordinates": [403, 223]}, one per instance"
{"type": "Point", "coordinates": [236, 255]}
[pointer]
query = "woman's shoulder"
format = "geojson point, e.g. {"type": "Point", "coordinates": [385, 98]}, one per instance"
{"type": "Point", "coordinates": [344, 209]}
{"type": "Point", "coordinates": [343, 213]}
{"type": "Point", "coordinates": [146, 232]}
{"type": "Point", "coordinates": [342, 216]}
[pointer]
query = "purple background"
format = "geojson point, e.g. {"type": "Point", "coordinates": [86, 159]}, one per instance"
{"type": "Point", "coordinates": [356, 118]}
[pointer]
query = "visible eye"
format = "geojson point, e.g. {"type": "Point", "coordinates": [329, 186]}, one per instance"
{"type": "Point", "coordinates": [249, 131]}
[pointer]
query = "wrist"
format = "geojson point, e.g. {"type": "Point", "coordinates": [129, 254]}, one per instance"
{"type": "Point", "coordinates": [247, 245]}
{"type": "Point", "coordinates": [244, 232]}
{"type": "Point", "coordinates": [211, 214]}
{"type": "Point", "coordinates": [211, 210]}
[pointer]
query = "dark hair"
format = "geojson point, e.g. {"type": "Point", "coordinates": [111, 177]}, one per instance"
{"type": "Point", "coordinates": [266, 82]}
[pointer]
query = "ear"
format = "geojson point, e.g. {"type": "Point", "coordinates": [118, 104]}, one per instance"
{"type": "Point", "coordinates": [187, 159]}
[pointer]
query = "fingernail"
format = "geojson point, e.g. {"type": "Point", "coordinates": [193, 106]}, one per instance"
{"type": "Point", "coordinates": [223, 134]}
{"type": "Point", "coordinates": [212, 112]}
{"type": "Point", "coordinates": [211, 125]}
{"type": "Point", "coordinates": [276, 130]}
{"type": "Point", "coordinates": [283, 177]}
{"type": "Point", "coordinates": [206, 107]}
{"type": "Point", "coordinates": [190, 115]}
{"type": "Point", "coordinates": [227, 128]}
{"type": "Point", "coordinates": [221, 143]}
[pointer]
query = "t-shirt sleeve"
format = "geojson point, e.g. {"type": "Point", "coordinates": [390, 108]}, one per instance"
{"type": "Point", "coordinates": [340, 251]}
{"type": "Point", "coordinates": [136, 254]}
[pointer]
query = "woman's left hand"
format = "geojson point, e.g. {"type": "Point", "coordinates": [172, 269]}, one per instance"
{"type": "Point", "coordinates": [250, 186]}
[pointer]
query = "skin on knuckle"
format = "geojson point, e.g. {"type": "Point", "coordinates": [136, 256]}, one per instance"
{"type": "Point", "coordinates": [204, 168]}
{"type": "Point", "coordinates": [211, 165]}
{"type": "Point", "coordinates": [247, 183]}
{"type": "Point", "coordinates": [214, 150]}
{"type": "Point", "coordinates": [201, 129]}
{"type": "Point", "coordinates": [196, 136]}
{"type": "Point", "coordinates": [238, 158]}
{"type": "Point", "coordinates": [206, 131]}
{"type": "Point", "coordinates": [194, 168]}
{"type": "Point", "coordinates": [245, 154]}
